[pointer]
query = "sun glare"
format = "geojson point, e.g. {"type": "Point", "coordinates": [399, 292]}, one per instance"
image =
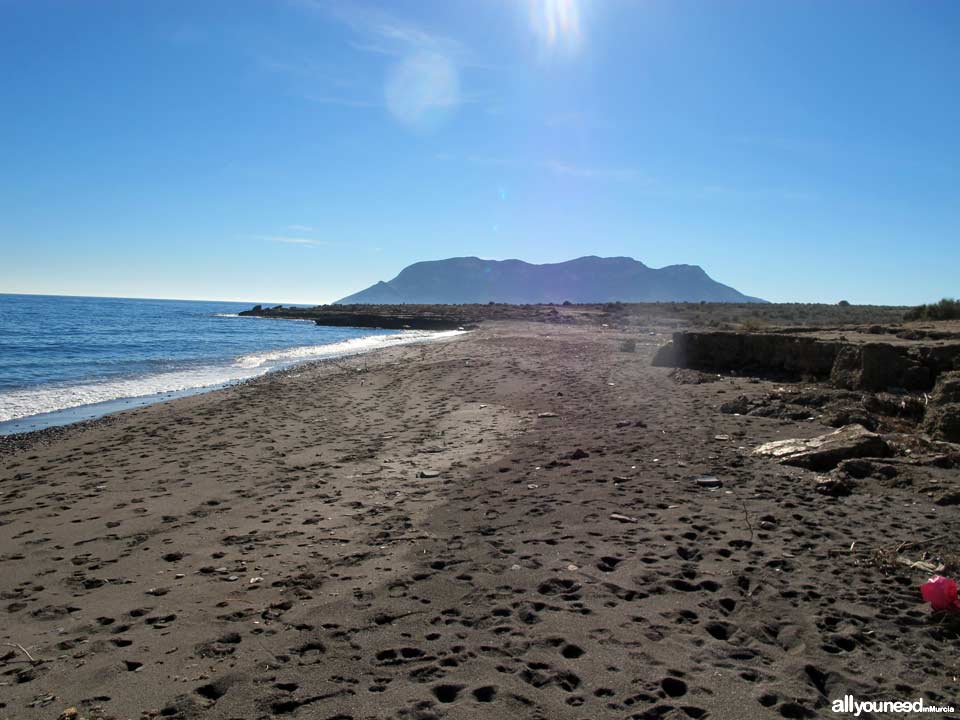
{"type": "Point", "coordinates": [556, 24]}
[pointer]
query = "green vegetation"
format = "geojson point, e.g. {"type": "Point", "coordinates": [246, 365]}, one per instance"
{"type": "Point", "coordinates": [946, 309]}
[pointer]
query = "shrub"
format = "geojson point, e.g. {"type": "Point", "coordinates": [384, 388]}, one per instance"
{"type": "Point", "coordinates": [753, 324]}
{"type": "Point", "coordinates": [844, 303]}
{"type": "Point", "coordinates": [946, 309]}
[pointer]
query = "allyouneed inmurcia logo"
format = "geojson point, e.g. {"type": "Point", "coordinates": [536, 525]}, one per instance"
{"type": "Point", "coordinates": [847, 704]}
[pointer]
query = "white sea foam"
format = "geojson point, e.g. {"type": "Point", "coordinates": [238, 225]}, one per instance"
{"type": "Point", "coordinates": [24, 403]}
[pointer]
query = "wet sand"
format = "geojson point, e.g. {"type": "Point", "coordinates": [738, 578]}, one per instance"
{"type": "Point", "coordinates": [503, 525]}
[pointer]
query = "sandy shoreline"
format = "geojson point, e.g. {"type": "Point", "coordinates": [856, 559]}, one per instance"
{"type": "Point", "coordinates": [84, 410]}
{"type": "Point", "coordinates": [401, 535]}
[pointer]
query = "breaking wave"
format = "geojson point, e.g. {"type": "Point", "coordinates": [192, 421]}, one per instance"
{"type": "Point", "coordinates": [16, 404]}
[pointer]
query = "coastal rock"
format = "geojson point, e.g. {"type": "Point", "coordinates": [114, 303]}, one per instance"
{"type": "Point", "coordinates": [857, 468]}
{"type": "Point", "coordinates": [825, 452]}
{"type": "Point", "coordinates": [942, 418]}
{"type": "Point", "coordinates": [947, 389]}
{"type": "Point", "coordinates": [943, 422]}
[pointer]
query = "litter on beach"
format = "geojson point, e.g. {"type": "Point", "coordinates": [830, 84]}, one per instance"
{"type": "Point", "coordinates": [941, 593]}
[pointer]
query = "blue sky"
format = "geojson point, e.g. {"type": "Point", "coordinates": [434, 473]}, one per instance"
{"type": "Point", "coordinates": [300, 150]}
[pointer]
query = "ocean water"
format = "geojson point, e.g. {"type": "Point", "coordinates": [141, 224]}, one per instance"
{"type": "Point", "coordinates": [64, 359]}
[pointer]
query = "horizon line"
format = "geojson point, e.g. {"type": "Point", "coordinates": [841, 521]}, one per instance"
{"type": "Point", "coordinates": [159, 299]}
{"type": "Point", "coordinates": [315, 304]}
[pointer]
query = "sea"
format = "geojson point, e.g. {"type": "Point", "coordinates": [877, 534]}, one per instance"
{"type": "Point", "coordinates": [66, 359]}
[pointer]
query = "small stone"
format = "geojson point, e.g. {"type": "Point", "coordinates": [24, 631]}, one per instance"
{"type": "Point", "coordinates": [833, 486]}
{"type": "Point", "coordinates": [740, 406]}
{"type": "Point", "coordinates": [950, 498]}
{"type": "Point", "coordinates": [623, 518]}
{"type": "Point", "coordinates": [429, 473]}
{"type": "Point", "coordinates": [709, 482]}
{"type": "Point", "coordinates": [547, 415]}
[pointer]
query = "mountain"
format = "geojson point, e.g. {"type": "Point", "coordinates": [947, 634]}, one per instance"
{"type": "Point", "coordinates": [584, 280]}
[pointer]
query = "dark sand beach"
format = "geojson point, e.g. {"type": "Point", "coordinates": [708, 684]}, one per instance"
{"type": "Point", "coordinates": [503, 525]}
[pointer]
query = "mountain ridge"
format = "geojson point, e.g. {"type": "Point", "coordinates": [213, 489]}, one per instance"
{"type": "Point", "coordinates": [587, 279]}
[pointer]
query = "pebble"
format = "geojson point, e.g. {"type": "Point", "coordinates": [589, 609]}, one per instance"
{"type": "Point", "coordinates": [709, 482]}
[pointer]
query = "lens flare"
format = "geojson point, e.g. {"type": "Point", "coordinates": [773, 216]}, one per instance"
{"type": "Point", "coordinates": [423, 90]}
{"type": "Point", "coordinates": [556, 23]}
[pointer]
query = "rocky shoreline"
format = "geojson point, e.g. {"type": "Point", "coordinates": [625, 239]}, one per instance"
{"type": "Point", "coordinates": [336, 316]}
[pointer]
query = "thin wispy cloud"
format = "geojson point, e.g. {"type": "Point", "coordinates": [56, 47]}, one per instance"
{"type": "Point", "coordinates": [288, 240]}
{"type": "Point", "coordinates": [577, 120]}
{"type": "Point", "coordinates": [343, 101]}
{"type": "Point", "coordinates": [590, 173]}
{"type": "Point", "coordinates": [555, 167]}
{"type": "Point", "coordinates": [776, 193]}
{"type": "Point", "coordinates": [383, 33]}
{"type": "Point", "coordinates": [422, 87]}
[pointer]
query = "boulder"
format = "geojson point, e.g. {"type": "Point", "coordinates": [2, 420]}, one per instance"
{"type": "Point", "coordinates": [825, 452]}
